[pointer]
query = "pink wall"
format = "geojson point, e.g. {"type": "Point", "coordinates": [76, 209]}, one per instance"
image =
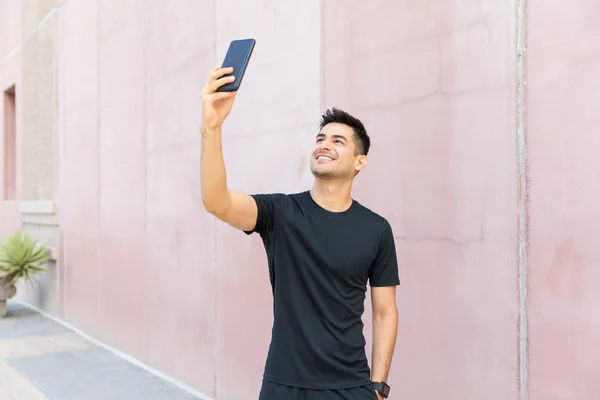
{"type": "Point", "coordinates": [436, 87]}
{"type": "Point", "coordinates": [139, 249]}
{"type": "Point", "coordinates": [563, 99]}
{"type": "Point", "coordinates": [147, 271]}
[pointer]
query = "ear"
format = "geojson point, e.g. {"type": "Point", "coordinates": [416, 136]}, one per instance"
{"type": "Point", "coordinates": [361, 163]}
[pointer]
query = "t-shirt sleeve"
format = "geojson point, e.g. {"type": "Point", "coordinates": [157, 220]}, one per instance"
{"type": "Point", "coordinates": [269, 208]}
{"type": "Point", "coordinates": [384, 270]}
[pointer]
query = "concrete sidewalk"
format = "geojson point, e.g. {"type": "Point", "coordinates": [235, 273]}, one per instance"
{"type": "Point", "coordinates": [40, 359]}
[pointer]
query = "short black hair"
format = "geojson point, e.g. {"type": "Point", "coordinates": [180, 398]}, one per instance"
{"type": "Point", "coordinates": [362, 140]}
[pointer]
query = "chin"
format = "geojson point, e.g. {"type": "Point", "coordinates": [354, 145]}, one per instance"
{"type": "Point", "coordinates": [319, 172]}
{"type": "Point", "coordinates": [323, 173]}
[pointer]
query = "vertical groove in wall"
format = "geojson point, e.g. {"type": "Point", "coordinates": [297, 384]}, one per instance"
{"type": "Point", "coordinates": [98, 150]}
{"type": "Point", "coordinates": [144, 23]}
{"type": "Point", "coordinates": [321, 56]}
{"type": "Point", "coordinates": [522, 199]}
{"type": "Point", "coordinates": [217, 329]}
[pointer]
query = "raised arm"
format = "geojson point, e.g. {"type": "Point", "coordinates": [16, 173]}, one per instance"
{"type": "Point", "coordinates": [237, 209]}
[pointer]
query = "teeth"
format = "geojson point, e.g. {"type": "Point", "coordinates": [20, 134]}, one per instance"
{"type": "Point", "coordinates": [324, 157]}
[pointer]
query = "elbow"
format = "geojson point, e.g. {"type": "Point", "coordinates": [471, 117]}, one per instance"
{"type": "Point", "coordinates": [212, 208]}
{"type": "Point", "coordinates": [215, 207]}
{"type": "Point", "coordinates": [209, 206]}
{"type": "Point", "coordinates": [386, 314]}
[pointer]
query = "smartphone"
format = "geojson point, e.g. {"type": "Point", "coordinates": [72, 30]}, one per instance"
{"type": "Point", "coordinates": [237, 56]}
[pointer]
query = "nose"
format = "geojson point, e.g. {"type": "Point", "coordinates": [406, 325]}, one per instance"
{"type": "Point", "coordinates": [325, 146]}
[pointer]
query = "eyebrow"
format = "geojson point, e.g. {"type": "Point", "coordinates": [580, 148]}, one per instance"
{"type": "Point", "coordinates": [322, 135]}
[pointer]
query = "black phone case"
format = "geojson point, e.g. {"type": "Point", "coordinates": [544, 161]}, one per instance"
{"type": "Point", "coordinates": [239, 62]}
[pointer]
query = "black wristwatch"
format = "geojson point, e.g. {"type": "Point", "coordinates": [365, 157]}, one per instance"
{"type": "Point", "coordinates": [382, 388]}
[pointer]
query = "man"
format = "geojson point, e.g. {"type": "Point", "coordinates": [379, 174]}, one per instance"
{"type": "Point", "coordinates": [322, 248]}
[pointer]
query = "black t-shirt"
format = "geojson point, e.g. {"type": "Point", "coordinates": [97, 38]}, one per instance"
{"type": "Point", "coordinates": [319, 265]}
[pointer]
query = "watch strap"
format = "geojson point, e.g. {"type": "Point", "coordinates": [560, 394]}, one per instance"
{"type": "Point", "coordinates": [382, 388]}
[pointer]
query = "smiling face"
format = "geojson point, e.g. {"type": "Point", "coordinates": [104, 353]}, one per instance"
{"type": "Point", "coordinates": [335, 155]}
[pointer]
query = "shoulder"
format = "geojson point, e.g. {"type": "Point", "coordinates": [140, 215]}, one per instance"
{"type": "Point", "coordinates": [277, 199]}
{"type": "Point", "coordinates": [372, 218]}
{"type": "Point", "coordinates": [277, 196]}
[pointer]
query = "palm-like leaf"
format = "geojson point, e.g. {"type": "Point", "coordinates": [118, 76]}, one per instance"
{"type": "Point", "coordinates": [21, 256]}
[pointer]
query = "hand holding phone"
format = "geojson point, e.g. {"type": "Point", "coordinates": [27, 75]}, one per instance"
{"type": "Point", "coordinates": [223, 83]}
{"type": "Point", "coordinates": [216, 106]}
{"type": "Point", "coordinates": [238, 56]}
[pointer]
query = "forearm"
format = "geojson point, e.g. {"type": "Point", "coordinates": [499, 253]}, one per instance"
{"type": "Point", "coordinates": [213, 179]}
{"type": "Point", "coordinates": [384, 341]}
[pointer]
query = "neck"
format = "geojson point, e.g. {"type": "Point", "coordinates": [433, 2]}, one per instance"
{"type": "Point", "coordinates": [334, 196]}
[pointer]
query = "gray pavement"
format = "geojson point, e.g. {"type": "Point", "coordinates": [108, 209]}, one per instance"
{"type": "Point", "coordinates": [40, 359]}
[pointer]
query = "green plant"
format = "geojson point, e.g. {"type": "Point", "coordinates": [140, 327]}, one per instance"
{"type": "Point", "coordinates": [21, 256]}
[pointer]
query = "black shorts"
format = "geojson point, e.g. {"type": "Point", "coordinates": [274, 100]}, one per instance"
{"type": "Point", "coordinates": [275, 391]}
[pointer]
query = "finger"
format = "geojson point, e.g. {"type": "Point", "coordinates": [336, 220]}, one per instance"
{"type": "Point", "coordinates": [219, 72]}
{"type": "Point", "coordinates": [212, 71]}
{"type": "Point", "coordinates": [220, 82]}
